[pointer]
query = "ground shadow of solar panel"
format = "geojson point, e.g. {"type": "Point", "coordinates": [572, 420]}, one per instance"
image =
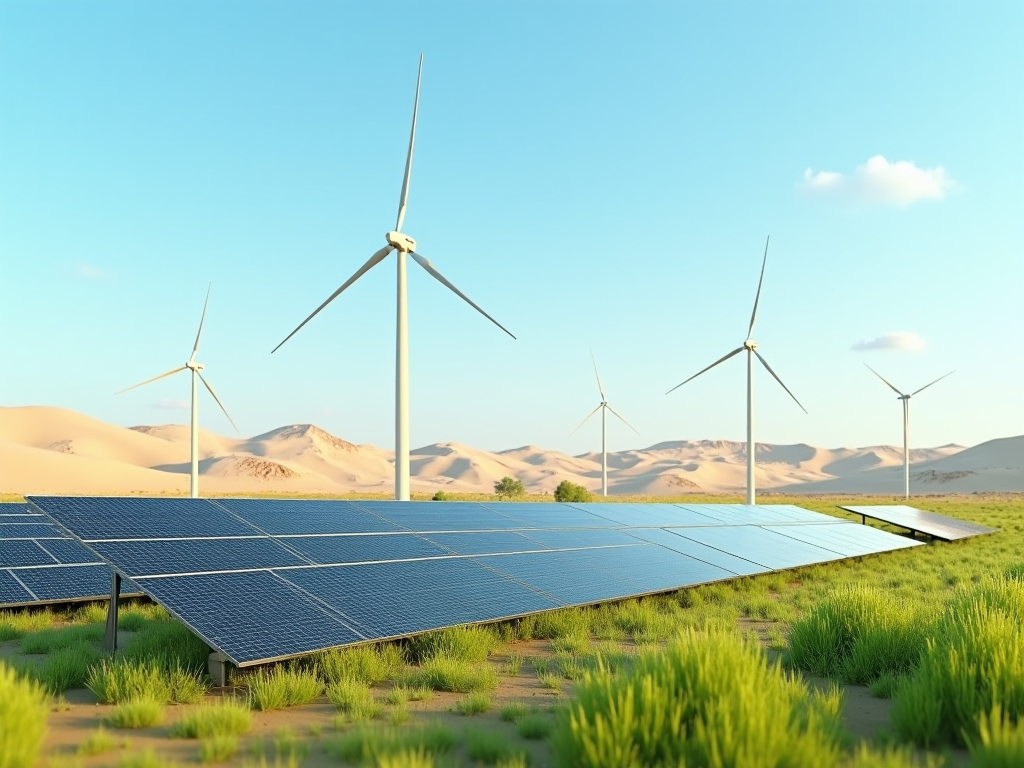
{"type": "Point", "coordinates": [263, 579]}
{"type": "Point", "coordinates": [39, 564]}
{"type": "Point", "coordinates": [919, 521]}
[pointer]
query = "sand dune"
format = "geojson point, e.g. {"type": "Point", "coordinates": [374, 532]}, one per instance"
{"type": "Point", "coordinates": [54, 450]}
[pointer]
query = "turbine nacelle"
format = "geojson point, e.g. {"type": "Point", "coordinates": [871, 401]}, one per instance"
{"type": "Point", "coordinates": [750, 345]}
{"type": "Point", "coordinates": [193, 366]}
{"type": "Point", "coordinates": [401, 241]}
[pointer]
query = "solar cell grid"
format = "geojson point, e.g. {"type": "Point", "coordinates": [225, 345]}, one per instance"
{"type": "Point", "coordinates": [307, 516]}
{"type": "Point", "coordinates": [148, 558]}
{"type": "Point", "coordinates": [485, 543]}
{"type": "Point", "coordinates": [670, 539]}
{"type": "Point", "coordinates": [848, 540]}
{"type": "Point", "coordinates": [930, 523]}
{"type": "Point", "coordinates": [364, 549]}
{"type": "Point", "coordinates": [761, 546]}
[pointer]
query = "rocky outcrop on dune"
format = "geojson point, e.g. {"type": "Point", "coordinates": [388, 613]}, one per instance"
{"type": "Point", "coordinates": [248, 467]}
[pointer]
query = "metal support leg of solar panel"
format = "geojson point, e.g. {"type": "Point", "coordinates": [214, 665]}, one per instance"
{"type": "Point", "coordinates": [110, 635]}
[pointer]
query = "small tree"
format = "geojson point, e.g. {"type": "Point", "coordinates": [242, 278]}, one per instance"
{"type": "Point", "coordinates": [510, 487]}
{"type": "Point", "coordinates": [440, 496]}
{"type": "Point", "coordinates": [567, 491]}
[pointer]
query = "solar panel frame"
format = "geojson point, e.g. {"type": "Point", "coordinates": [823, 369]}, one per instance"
{"type": "Point", "coordinates": [920, 521]}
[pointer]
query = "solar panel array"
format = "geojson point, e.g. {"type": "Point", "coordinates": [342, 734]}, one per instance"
{"type": "Point", "coordinates": [264, 579]}
{"type": "Point", "coordinates": [40, 564]}
{"type": "Point", "coordinates": [936, 526]}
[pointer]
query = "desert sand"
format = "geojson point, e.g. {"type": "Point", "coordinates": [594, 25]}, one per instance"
{"type": "Point", "coordinates": [53, 450]}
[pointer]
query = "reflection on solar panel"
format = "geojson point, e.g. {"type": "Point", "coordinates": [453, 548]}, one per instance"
{"type": "Point", "coordinates": [262, 579]}
{"type": "Point", "coordinates": [919, 521]}
{"type": "Point", "coordinates": [39, 564]}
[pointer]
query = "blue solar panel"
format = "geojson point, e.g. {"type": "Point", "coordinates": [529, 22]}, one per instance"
{"type": "Point", "coordinates": [267, 579]}
{"type": "Point", "coordinates": [67, 551]}
{"type": "Point", "coordinates": [11, 590]}
{"type": "Point", "coordinates": [16, 553]}
{"type": "Point", "coordinates": [96, 518]}
{"type": "Point", "coordinates": [937, 526]}
{"type": "Point", "coordinates": [329, 550]}
{"type": "Point", "coordinates": [253, 616]}
{"type": "Point", "coordinates": [70, 582]}
{"type": "Point", "coordinates": [298, 516]}
{"type": "Point", "coordinates": [485, 543]}
{"type": "Point", "coordinates": [388, 600]}
{"type": "Point", "coordinates": [28, 531]}
{"type": "Point", "coordinates": [670, 539]}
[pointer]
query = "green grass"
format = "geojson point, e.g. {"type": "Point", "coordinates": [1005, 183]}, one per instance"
{"type": "Point", "coordinates": [514, 712]}
{"type": "Point", "coordinates": [370, 664]}
{"type": "Point", "coordinates": [487, 746]}
{"type": "Point", "coordinates": [217, 749]}
{"type": "Point", "coordinates": [137, 713]}
{"type": "Point", "coordinates": [146, 759]}
{"type": "Point", "coordinates": [534, 727]}
{"type": "Point", "coordinates": [365, 744]}
{"type": "Point", "coordinates": [53, 639]}
{"type": "Point", "coordinates": [465, 643]}
{"type": "Point", "coordinates": [999, 742]}
{"type": "Point", "coordinates": [279, 688]}
{"type": "Point", "coordinates": [550, 681]}
{"type": "Point", "coordinates": [473, 704]}
{"type": "Point", "coordinates": [443, 673]}
{"type": "Point", "coordinates": [347, 695]}
{"type": "Point", "coordinates": [67, 667]}
{"type": "Point", "coordinates": [99, 742]}
{"type": "Point", "coordinates": [171, 642]}
{"type": "Point", "coordinates": [24, 708]}
{"type": "Point", "coordinates": [513, 665]}
{"type": "Point", "coordinates": [710, 698]}
{"type": "Point", "coordinates": [407, 758]}
{"type": "Point", "coordinates": [122, 679]}
{"type": "Point", "coordinates": [223, 717]}
{"type": "Point", "coordinates": [14, 624]}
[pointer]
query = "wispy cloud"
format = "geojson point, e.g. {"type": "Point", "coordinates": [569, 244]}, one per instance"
{"type": "Point", "coordinates": [909, 341]}
{"type": "Point", "coordinates": [879, 181]}
{"type": "Point", "coordinates": [169, 404]}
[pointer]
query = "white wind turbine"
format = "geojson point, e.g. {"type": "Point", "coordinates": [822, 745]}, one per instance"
{"type": "Point", "coordinates": [603, 407]}
{"type": "Point", "coordinates": [906, 424]}
{"type": "Point", "coordinates": [402, 244]}
{"type": "Point", "coordinates": [751, 348]}
{"type": "Point", "coordinates": [192, 365]}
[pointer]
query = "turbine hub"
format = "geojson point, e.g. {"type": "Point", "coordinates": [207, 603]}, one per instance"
{"type": "Point", "coordinates": [194, 366]}
{"type": "Point", "coordinates": [401, 241]}
{"type": "Point", "coordinates": [750, 345]}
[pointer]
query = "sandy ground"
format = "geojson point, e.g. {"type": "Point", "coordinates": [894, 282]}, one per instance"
{"type": "Point", "coordinates": [46, 450]}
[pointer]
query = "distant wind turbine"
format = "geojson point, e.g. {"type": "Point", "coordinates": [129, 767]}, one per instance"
{"type": "Point", "coordinates": [603, 407]}
{"type": "Point", "coordinates": [751, 348]}
{"type": "Point", "coordinates": [192, 365]}
{"type": "Point", "coordinates": [403, 244]}
{"type": "Point", "coordinates": [906, 424]}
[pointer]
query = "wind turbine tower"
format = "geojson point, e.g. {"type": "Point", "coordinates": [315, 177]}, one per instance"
{"type": "Point", "coordinates": [750, 346]}
{"type": "Point", "coordinates": [402, 244]}
{"type": "Point", "coordinates": [906, 424]}
{"type": "Point", "coordinates": [195, 367]}
{"type": "Point", "coordinates": [603, 407]}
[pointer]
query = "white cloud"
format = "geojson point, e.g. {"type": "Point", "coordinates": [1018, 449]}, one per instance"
{"type": "Point", "coordinates": [171, 404]}
{"type": "Point", "coordinates": [879, 181]}
{"type": "Point", "coordinates": [905, 340]}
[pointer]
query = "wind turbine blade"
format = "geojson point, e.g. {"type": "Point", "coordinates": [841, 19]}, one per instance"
{"type": "Point", "coordinates": [585, 420]}
{"type": "Point", "coordinates": [934, 382]}
{"type": "Point", "coordinates": [883, 379]}
{"type": "Point", "coordinates": [155, 378]}
{"type": "Point", "coordinates": [408, 159]}
{"type": "Point", "coordinates": [195, 347]}
{"type": "Point", "coordinates": [698, 373]}
{"type": "Point", "coordinates": [373, 261]}
{"type": "Point", "coordinates": [623, 420]}
{"type": "Point", "coordinates": [598, 375]}
{"type": "Point", "coordinates": [757, 298]}
{"type": "Point", "coordinates": [425, 263]}
{"type": "Point", "coordinates": [210, 389]}
{"type": "Point", "coordinates": [775, 375]}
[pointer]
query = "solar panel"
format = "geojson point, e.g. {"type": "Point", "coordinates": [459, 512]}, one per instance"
{"type": "Point", "coordinates": [919, 521]}
{"type": "Point", "coordinates": [263, 579]}
{"type": "Point", "coordinates": [39, 564]}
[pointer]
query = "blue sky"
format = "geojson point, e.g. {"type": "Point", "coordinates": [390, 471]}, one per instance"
{"type": "Point", "coordinates": [592, 174]}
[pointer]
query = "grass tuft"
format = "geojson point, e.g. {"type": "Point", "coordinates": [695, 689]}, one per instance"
{"type": "Point", "coordinates": [514, 712]}
{"type": "Point", "coordinates": [370, 664]}
{"type": "Point", "coordinates": [999, 743]}
{"type": "Point", "coordinates": [217, 749]}
{"type": "Point", "coordinates": [368, 745]}
{"type": "Point", "coordinates": [24, 707]}
{"type": "Point", "coordinates": [488, 747]}
{"type": "Point", "coordinates": [225, 717]}
{"type": "Point", "coordinates": [444, 673]}
{"type": "Point", "coordinates": [534, 727]}
{"type": "Point", "coordinates": [67, 667]}
{"type": "Point", "coordinates": [98, 742]}
{"type": "Point", "coordinates": [466, 643]}
{"type": "Point", "coordinates": [137, 713]}
{"type": "Point", "coordinates": [473, 704]}
{"type": "Point", "coordinates": [280, 688]}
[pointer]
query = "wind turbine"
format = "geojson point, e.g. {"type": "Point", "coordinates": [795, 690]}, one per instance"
{"type": "Point", "coordinates": [402, 244]}
{"type": "Point", "coordinates": [906, 424]}
{"type": "Point", "coordinates": [192, 365]}
{"type": "Point", "coordinates": [603, 407]}
{"type": "Point", "coordinates": [751, 348]}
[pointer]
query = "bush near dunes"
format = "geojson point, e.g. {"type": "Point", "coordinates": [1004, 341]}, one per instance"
{"type": "Point", "coordinates": [569, 491]}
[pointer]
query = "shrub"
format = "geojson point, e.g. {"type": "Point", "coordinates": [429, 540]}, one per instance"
{"type": "Point", "coordinates": [439, 496]}
{"type": "Point", "coordinates": [509, 487]}
{"type": "Point", "coordinates": [567, 491]}
{"type": "Point", "coordinates": [225, 717]}
{"type": "Point", "coordinates": [710, 698]}
{"type": "Point", "coordinates": [280, 688]}
{"type": "Point", "coordinates": [24, 707]}
{"type": "Point", "coordinates": [137, 713]}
